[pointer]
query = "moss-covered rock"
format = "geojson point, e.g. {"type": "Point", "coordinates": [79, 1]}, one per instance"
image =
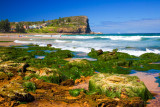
{"type": "Point", "coordinates": [115, 85]}
{"type": "Point", "coordinates": [95, 53]}
{"type": "Point", "coordinates": [16, 91]}
{"type": "Point", "coordinates": [79, 63]}
{"type": "Point", "coordinates": [107, 56]}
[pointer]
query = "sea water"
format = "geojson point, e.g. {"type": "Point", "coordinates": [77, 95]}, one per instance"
{"type": "Point", "coordinates": [133, 44]}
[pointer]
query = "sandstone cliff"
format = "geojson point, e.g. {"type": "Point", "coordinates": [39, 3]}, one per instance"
{"type": "Point", "coordinates": [80, 24]}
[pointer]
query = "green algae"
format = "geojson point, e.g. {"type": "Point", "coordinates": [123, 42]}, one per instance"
{"type": "Point", "coordinates": [29, 86]}
{"type": "Point", "coordinates": [114, 85]}
{"type": "Point", "coordinates": [76, 92]}
{"type": "Point", "coordinates": [111, 62]}
{"type": "Point", "coordinates": [77, 68]}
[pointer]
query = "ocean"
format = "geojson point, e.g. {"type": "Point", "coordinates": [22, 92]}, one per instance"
{"type": "Point", "coordinates": [133, 44]}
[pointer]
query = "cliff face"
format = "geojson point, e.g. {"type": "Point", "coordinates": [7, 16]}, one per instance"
{"type": "Point", "coordinates": [78, 24]}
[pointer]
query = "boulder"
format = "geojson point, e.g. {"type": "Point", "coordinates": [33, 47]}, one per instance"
{"type": "Point", "coordinates": [116, 85]}
{"type": "Point", "coordinates": [15, 91]}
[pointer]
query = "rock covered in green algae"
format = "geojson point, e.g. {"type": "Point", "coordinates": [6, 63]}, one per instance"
{"type": "Point", "coordinates": [107, 56]}
{"type": "Point", "coordinates": [116, 85]}
{"type": "Point", "coordinates": [80, 63]}
{"type": "Point", "coordinates": [16, 91]}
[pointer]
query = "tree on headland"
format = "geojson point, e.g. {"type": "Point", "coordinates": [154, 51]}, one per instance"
{"type": "Point", "coordinates": [5, 26]}
{"type": "Point", "coordinates": [20, 28]}
{"type": "Point", "coordinates": [68, 19]}
{"type": "Point", "coordinates": [60, 19]}
{"type": "Point", "coordinates": [43, 21]}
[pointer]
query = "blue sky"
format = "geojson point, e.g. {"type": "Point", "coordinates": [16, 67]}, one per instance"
{"type": "Point", "coordinates": [107, 16]}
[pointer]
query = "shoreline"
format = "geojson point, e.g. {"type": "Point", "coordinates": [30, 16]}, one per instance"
{"type": "Point", "coordinates": [14, 34]}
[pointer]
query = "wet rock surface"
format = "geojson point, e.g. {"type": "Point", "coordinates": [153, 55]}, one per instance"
{"type": "Point", "coordinates": [32, 85]}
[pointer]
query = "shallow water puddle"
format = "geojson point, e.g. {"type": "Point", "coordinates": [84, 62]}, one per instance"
{"type": "Point", "coordinates": [39, 57]}
{"type": "Point", "coordinates": [47, 51]}
{"type": "Point", "coordinates": [82, 55]}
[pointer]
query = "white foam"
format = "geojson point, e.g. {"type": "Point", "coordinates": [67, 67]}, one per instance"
{"type": "Point", "coordinates": [128, 38]}
{"type": "Point", "coordinates": [74, 44]}
{"type": "Point", "coordinates": [153, 51]}
{"type": "Point", "coordinates": [28, 42]}
{"type": "Point", "coordinates": [60, 41]}
{"type": "Point", "coordinates": [140, 52]}
{"type": "Point", "coordinates": [18, 41]}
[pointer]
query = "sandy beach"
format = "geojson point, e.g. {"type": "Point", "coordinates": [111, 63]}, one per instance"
{"type": "Point", "coordinates": [14, 37]}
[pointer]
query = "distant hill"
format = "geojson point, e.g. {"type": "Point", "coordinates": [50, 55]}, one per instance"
{"type": "Point", "coordinates": [73, 24]}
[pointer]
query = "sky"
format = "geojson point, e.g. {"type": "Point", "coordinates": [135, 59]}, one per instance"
{"type": "Point", "coordinates": [107, 16]}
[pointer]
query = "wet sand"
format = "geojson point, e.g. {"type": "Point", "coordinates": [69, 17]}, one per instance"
{"type": "Point", "coordinates": [12, 38]}
{"type": "Point", "coordinates": [150, 82]}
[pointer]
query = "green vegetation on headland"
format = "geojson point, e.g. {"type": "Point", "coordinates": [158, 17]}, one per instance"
{"type": "Point", "coordinates": [34, 68]}
{"type": "Point", "coordinates": [74, 24]}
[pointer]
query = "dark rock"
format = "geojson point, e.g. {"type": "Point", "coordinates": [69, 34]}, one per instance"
{"type": "Point", "coordinates": [68, 82]}
{"type": "Point", "coordinates": [23, 67]}
{"type": "Point", "coordinates": [100, 52]}
{"type": "Point", "coordinates": [49, 45]}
